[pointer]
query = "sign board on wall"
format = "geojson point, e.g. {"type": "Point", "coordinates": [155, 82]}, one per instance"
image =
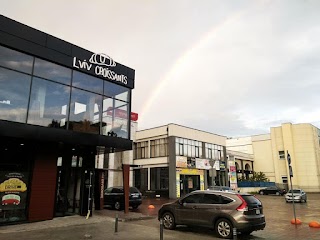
{"type": "Point", "coordinates": [181, 162]}
{"type": "Point", "coordinates": [13, 190]}
{"type": "Point", "coordinates": [232, 174]}
{"type": "Point", "coordinates": [203, 163]}
{"type": "Point", "coordinates": [102, 65]}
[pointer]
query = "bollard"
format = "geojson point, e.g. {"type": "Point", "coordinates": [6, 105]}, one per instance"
{"type": "Point", "coordinates": [116, 224]}
{"type": "Point", "coordinates": [161, 229]}
{"type": "Point", "coordinates": [234, 234]}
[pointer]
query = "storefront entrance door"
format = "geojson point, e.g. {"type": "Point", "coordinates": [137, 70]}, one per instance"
{"type": "Point", "coordinates": [68, 186]}
{"type": "Point", "coordinates": [189, 183]}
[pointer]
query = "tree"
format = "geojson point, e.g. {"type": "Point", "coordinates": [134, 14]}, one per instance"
{"type": "Point", "coordinates": [259, 177]}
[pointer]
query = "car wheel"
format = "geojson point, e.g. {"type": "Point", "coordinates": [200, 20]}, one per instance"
{"type": "Point", "coordinates": [117, 205]}
{"type": "Point", "coordinates": [168, 221]}
{"type": "Point", "coordinates": [261, 193]}
{"type": "Point", "coordinates": [224, 228]}
{"type": "Point", "coordinates": [277, 193]}
{"type": "Point", "coordinates": [135, 206]}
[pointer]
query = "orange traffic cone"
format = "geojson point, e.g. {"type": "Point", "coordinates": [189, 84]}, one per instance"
{"type": "Point", "coordinates": [296, 221]}
{"type": "Point", "coordinates": [314, 224]}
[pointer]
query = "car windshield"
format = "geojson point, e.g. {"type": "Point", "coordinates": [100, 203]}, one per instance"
{"type": "Point", "coordinates": [294, 191]}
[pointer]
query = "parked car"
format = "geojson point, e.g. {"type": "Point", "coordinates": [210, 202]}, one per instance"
{"type": "Point", "coordinates": [114, 197]}
{"type": "Point", "coordinates": [221, 211]}
{"type": "Point", "coordinates": [220, 188]}
{"type": "Point", "coordinates": [298, 195]}
{"type": "Point", "coordinates": [272, 190]}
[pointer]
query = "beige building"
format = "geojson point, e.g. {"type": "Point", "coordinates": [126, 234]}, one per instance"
{"type": "Point", "coordinates": [270, 154]}
{"type": "Point", "coordinates": [174, 160]}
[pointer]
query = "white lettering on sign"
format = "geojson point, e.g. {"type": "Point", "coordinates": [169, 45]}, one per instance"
{"type": "Point", "coordinates": [5, 102]}
{"type": "Point", "coordinates": [103, 62]}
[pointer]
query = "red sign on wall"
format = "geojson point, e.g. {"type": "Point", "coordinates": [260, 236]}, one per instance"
{"type": "Point", "coordinates": [119, 113]}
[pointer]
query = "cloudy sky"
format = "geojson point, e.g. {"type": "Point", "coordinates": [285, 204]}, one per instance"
{"type": "Point", "coordinates": [234, 68]}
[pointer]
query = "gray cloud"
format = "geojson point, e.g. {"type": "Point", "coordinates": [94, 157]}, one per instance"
{"type": "Point", "coordinates": [232, 68]}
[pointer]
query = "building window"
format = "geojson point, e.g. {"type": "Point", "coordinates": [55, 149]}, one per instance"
{"type": "Point", "coordinates": [87, 82]}
{"type": "Point", "coordinates": [14, 94]}
{"type": "Point", "coordinates": [158, 148]}
{"type": "Point", "coordinates": [15, 60]}
{"type": "Point", "coordinates": [282, 155]}
{"type": "Point", "coordinates": [188, 148]}
{"type": "Point", "coordinates": [180, 149]}
{"type": "Point", "coordinates": [140, 150]}
{"type": "Point", "coordinates": [159, 178]}
{"type": "Point", "coordinates": [95, 106]}
{"type": "Point", "coordinates": [284, 179]}
{"type": "Point", "coordinates": [49, 104]}
{"type": "Point", "coordinates": [85, 111]}
{"type": "Point", "coordinates": [140, 177]}
{"type": "Point", "coordinates": [51, 71]}
{"type": "Point", "coordinates": [214, 151]}
{"type": "Point", "coordinates": [197, 153]}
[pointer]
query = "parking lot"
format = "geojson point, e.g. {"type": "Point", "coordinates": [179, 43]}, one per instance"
{"type": "Point", "coordinates": [101, 226]}
{"type": "Point", "coordinates": [278, 215]}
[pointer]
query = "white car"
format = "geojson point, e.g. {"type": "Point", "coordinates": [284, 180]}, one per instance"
{"type": "Point", "coordinates": [298, 195]}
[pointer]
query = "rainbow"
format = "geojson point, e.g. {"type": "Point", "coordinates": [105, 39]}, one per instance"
{"type": "Point", "coordinates": [182, 62]}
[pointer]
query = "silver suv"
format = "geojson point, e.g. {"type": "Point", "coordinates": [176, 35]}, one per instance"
{"type": "Point", "coordinates": [222, 211]}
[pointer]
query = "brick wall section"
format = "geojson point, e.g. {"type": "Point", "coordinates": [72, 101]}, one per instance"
{"type": "Point", "coordinates": [43, 187]}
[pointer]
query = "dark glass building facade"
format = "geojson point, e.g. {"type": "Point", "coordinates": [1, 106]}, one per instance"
{"type": "Point", "coordinates": [60, 106]}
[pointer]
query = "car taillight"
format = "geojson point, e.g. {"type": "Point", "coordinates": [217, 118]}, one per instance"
{"type": "Point", "coordinates": [243, 206]}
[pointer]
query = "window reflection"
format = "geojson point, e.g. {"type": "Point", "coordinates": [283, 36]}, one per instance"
{"type": "Point", "coordinates": [116, 91]}
{"type": "Point", "coordinates": [115, 117]}
{"type": "Point", "coordinates": [15, 60]}
{"type": "Point", "coordinates": [14, 94]}
{"type": "Point", "coordinates": [52, 71]}
{"type": "Point", "coordinates": [84, 81]}
{"type": "Point", "coordinates": [48, 104]}
{"type": "Point", "coordinates": [85, 111]}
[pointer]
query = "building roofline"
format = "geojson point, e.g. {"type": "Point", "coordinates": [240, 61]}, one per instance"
{"type": "Point", "coordinates": [167, 125]}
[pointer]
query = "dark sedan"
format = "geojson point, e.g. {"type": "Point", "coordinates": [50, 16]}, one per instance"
{"type": "Point", "coordinates": [114, 197]}
{"type": "Point", "coordinates": [272, 190]}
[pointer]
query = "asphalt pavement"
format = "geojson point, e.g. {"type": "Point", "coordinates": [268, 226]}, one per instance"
{"type": "Point", "coordinates": [143, 224]}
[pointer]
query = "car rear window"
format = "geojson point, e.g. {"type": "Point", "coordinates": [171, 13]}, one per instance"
{"type": "Point", "coordinates": [294, 191]}
{"type": "Point", "coordinates": [134, 190]}
{"type": "Point", "coordinates": [250, 199]}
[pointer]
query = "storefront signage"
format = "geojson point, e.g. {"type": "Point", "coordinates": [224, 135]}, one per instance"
{"type": "Point", "coordinates": [13, 190]}
{"type": "Point", "coordinates": [203, 163]}
{"type": "Point", "coordinates": [101, 64]}
{"type": "Point", "coordinates": [232, 174]}
{"type": "Point", "coordinates": [181, 162]}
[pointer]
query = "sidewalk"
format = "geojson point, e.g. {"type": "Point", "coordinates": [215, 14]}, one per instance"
{"type": "Point", "coordinates": [142, 213]}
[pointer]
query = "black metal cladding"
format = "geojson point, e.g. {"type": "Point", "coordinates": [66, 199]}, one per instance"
{"type": "Point", "coordinates": [31, 41]}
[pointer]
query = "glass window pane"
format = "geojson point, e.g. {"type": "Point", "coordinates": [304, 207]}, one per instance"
{"type": "Point", "coordinates": [85, 111]}
{"type": "Point", "coordinates": [14, 95]}
{"type": "Point", "coordinates": [84, 81]}
{"type": "Point", "coordinates": [48, 104]}
{"type": "Point", "coordinates": [115, 117]}
{"type": "Point", "coordinates": [116, 91]}
{"type": "Point", "coordinates": [15, 60]}
{"type": "Point", "coordinates": [52, 71]}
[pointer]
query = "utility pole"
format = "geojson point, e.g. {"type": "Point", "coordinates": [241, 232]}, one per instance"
{"type": "Point", "coordinates": [291, 175]}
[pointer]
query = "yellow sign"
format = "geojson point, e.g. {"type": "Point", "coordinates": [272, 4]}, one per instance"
{"type": "Point", "coordinates": [13, 185]}
{"type": "Point", "coordinates": [193, 171]}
